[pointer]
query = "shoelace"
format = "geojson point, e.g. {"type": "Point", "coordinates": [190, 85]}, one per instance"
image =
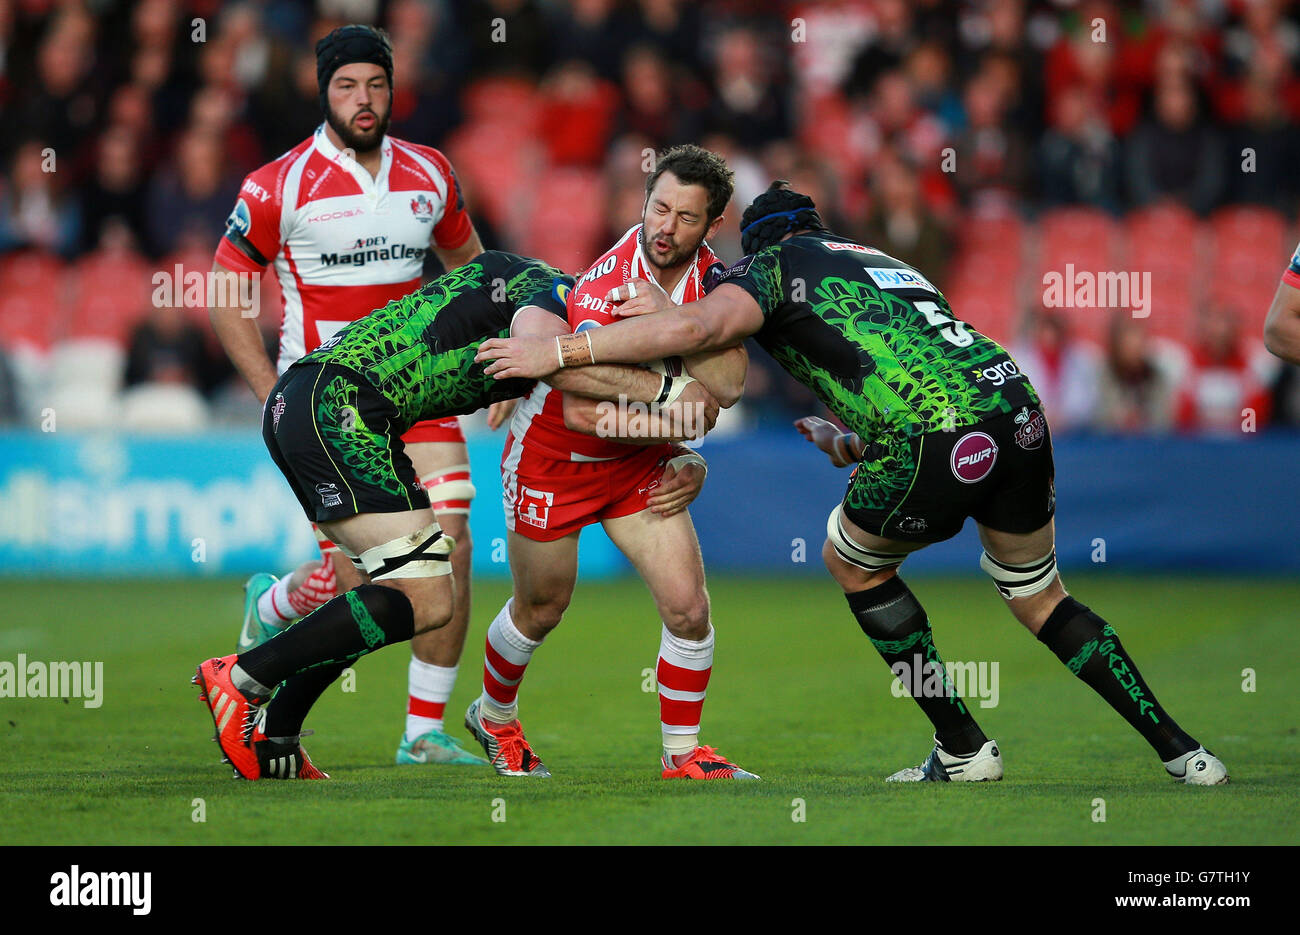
{"type": "Point", "coordinates": [512, 734]}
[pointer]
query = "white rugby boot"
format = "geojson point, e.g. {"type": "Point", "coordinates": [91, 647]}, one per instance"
{"type": "Point", "coordinates": [984, 765]}
{"type": "Point", "coordinates": [1198, 768]}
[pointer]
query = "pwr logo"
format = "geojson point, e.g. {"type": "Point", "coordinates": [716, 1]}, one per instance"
{"type": "Point", "coordinates": [534, 506]}
{"type": "Point", "coordinates": [973, 457]}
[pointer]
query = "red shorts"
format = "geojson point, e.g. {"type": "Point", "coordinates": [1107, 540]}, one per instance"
{"type": "Point", "coordinates": [444, 430]}
{"type": "Point", "coordinates": [546, 499]}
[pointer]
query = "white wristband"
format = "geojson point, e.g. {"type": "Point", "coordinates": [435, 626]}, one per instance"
{"type": "Point", "coordinates": [840, 454]}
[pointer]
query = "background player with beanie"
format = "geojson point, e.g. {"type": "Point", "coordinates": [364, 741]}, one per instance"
{"type": "Point", "coordinates": [346, 218]}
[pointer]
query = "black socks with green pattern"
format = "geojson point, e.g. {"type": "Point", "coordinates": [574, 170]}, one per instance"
{"type": "Point", "coordinates": [1090, 649]}
{"type": "Point", "coordinates": [346, 628]}
{"type": "Point", "coordinates": [289, 706]}
{"type": "Point", "coordinates": [897, 626]}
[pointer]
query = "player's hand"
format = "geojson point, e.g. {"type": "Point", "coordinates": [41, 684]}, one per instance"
{"type": "Point", "coordinates": [527, 358]}
{"type": "Point", "coordinates": [695, 411]}
{"type": "Point", "coordinates": [821, 433]}
{"type": "Point", "coordinates": [637, 297]}
{"type": "Point", "coordinates": [676, 490]}
{"type": "Point", "coordinates": [499, 413]}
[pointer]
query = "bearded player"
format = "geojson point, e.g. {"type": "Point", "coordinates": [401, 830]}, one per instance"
{"type": "Point", "coordinates": [559, 476]}
{"type": "Point", "coordinates": [347, 217]}
{"type": "Point", "coordinates": [941, 429]}
{"type": "Point", "coordinates": [333, 425]}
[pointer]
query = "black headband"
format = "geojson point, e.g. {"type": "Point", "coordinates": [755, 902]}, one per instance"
{"type": "Point", "coordinates": [774, 214]}
{"type": "Point", "coordinates": [349, 44]}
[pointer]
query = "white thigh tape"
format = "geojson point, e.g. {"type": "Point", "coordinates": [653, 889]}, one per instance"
{"type": "Point", "coordinates": [356, 561]}
{"type": "Point", "coordinates": [1020, 580]}
{"type": "Point", "coordinates": [855, 554]}
{"type": "Point", "coordinates": [423, 554]}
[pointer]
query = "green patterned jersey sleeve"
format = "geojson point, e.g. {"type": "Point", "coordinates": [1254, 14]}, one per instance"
{"type": "Point", "coordinates": [762, 276]}
{"type": "Point", "coordinates": [532, 282]}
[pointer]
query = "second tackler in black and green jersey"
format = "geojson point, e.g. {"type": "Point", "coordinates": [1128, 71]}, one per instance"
{"type": "Point", "coordinates": [418, 351]}
{"type": "Point", "coordinates": [874, 339]}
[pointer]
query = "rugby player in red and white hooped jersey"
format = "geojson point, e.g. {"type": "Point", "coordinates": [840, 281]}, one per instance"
{"type": "Point", "coordinates": [1282, 326]}
{"type": "Point", "coordinates": [559, 475]}
{"type": "Point", "coordinates": [345, 218]}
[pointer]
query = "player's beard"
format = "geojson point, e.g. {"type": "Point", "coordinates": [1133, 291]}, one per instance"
{"type": "Point", "coordinates": [676, 257]}
{"type": "Point", "coordinates": [360, 141]}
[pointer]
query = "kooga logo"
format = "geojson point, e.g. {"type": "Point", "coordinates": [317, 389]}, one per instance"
{"type": "Point", "coordinates": [102, 889]}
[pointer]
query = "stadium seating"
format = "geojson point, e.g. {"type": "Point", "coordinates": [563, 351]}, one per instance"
{"type": "Point", "coordinates": [33, 290]}
{"type": "Point", "coordinates": [110, 292]}
{"type": "Point", "coordinates": [1247, 250]}
{"type": "Point", "coordinates": [510, 104]}
{"type": "Point", "coordinates": [495, 166]}
{"type": "Point", "coordinates": [1167, 241]}
{"type": "Point", "coordinates": [564, 220]}
{"type": "Point", "coordinates": [163, 407]}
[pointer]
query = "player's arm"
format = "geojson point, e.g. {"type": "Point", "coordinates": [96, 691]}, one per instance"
{"type": "Point", "coordinates": [1282, 327]}
{"type": "Point", "coordinates": [454, 240]}
{"type": "Point", "coordinates": [722, 372]}
{"type": "Point", "coordinates": [237, 330]}
{"type": "Point", "coordinates": [606, 381]}
{"type": "Point", "coordinates": [842, 448]}
{"type": "Point", "coordinates": [251, 240]}
{"type": "Point", "coordinates": [723, 318]}
{"type": "Point", "coordinates": [682, 420]}
{"type": "Point", "coordinates": [450, 258]}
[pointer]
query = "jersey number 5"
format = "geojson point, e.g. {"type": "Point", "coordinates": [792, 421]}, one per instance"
{"type": "Point", "coordinates": [954, 332]}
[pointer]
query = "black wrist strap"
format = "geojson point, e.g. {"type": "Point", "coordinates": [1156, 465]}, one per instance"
{"type": "Point", "coordinates": [664, 390]}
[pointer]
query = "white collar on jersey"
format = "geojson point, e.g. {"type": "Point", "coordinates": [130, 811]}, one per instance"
{"type": "Point", "coordinates": [371, 185]}
{"type": "Point", "coordinates": [641, 269]}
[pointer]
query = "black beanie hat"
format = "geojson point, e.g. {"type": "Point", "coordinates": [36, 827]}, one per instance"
{"type": "Point", "coordinates": [774, 214]}
{"type": "Point", "coordinates": [349, 44]}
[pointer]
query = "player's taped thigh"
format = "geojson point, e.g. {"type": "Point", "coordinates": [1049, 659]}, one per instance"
{"type": "Point", "coordinates": [352, 557]}
{"type": "Point", "coordinates": [855, 554]}
{"type": "Point", "coordinates": [423, 554]}
{"type": "Point", "coordinates": [1021, 580]}
{"type": "Point", "coordinates": [450, 489]}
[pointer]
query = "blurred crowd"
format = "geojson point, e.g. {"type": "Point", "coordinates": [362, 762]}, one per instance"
{"type": "Point", "coordinates": [983, 141]}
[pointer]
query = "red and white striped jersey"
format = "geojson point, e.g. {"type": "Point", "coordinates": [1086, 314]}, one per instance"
{"type": "Point", "coordinates": [343, 242]}
{"type": "Point", "coordinates": [538, 422]}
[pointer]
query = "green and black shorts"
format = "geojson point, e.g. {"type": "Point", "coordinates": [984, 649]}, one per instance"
{"type": "Point", "coordinates": [337, 440]}
{"type": "Point", "coordinates": [921, 488]}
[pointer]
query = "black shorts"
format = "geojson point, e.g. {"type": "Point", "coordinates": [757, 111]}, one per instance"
{"type": "Point", "coordinates": [922, 488]}
{"type": "Point", "coordinates": [334, 438]}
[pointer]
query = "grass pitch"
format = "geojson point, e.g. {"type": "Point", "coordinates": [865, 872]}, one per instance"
{"type": "Point", "coordinates": [797, 695]}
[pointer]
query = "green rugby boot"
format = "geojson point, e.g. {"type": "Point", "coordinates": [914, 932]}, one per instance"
{"type": "Point", "coordinates": [435, 747]}
{"type": "Point", "coordinates": [254, 632]}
